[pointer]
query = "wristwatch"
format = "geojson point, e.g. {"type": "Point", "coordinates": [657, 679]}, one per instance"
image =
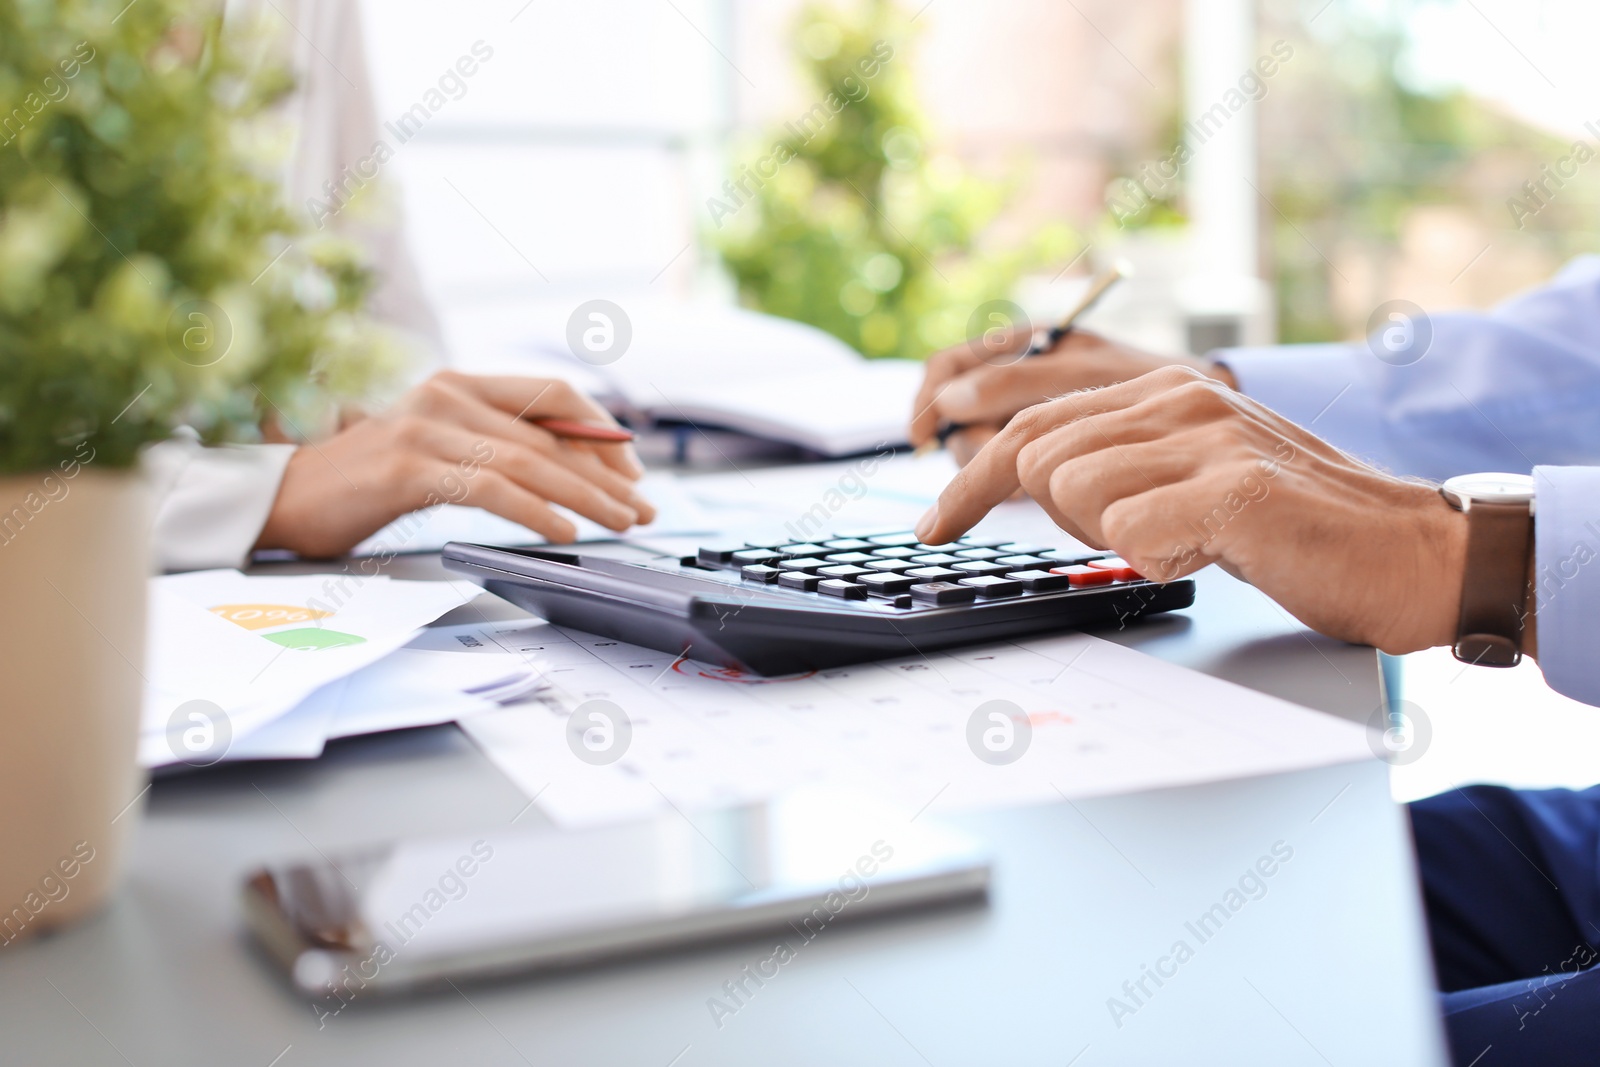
{"type": "Point", "coordinates": [1494, 589]}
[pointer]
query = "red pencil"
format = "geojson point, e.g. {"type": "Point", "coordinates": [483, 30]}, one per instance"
{"type": "Point", "coordinates": [584, 431]}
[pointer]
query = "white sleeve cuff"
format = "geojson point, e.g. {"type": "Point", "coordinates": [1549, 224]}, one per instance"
{"type": "Point", "coordinates": [211, 503]}
{"type": "Point", "coordinates": [1328, 389]}
{"type": "Point", "coordinates": [1567, 578]}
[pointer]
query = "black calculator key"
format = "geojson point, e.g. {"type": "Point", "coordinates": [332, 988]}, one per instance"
{"type": "Point", "coordinates": [887, 584]}
{"type": "Point", "coordinates": [983, 542]}
{"type": "Point", "coordinates": [1018, 548]}
{"type": "Point", "coordinates": [937, 548]}
{"type": "Point", "coordinates": [1021, 562]}
{"type": "Point", "coordinates": [934, 574]}
{"type": "Point", "coordinates": [844, 571]}
{"type": "Point", "coordinates": [942, 593]}
{"type": "Point", "coordinates": [899, 540]}
{"type": "Point", "coordinates": [897, 552]}
{"type": "Point", "coordinates": [850, 544]}
{"type": "Point", "coordinates": [759, 572]}
{"type": "Point", "coordinates": [856, 558]}
{"type": "Point", "coordinates": [841, 588]}
{"type": "Point", "coordinates": [992, 585]}
{"type": "Point", "coordinates": [805, 583]}
{"type": "Point", "coordinates": [801, 551]}
{"type": "Point", "coordinates": [978, 568]}
{"type": "Point", "coordinates": [768, 542]}
{"type": "Point", "coordinates": [979, 553]}
{"type": "Point", "coordinates": [929, 559]}
{"type": "Point", "coordinates": [1040, 581]}
{"type": "Point", "coordinates": [808, 565]}
{"type": "Point", "coordinates": [889, 566]}
{"type": "Point", "coordinates": [715, 554]}
{"type": "Point", "coordinates": [749, 556]}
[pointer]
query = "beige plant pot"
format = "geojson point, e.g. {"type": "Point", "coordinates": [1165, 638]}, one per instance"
{"type": "Point", "coordinates": [74, 560]}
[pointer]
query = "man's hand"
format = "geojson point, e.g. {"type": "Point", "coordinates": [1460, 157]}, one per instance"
{"type": "Point", "coordinates": [981, 384]}
{"type": "Point", "coordinates": [1174, 470]}
{"type": "Point", "coordinates": [458, 439]}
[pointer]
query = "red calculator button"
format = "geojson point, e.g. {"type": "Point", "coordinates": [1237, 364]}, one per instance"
{"type": "Point", "coordinates": [1080, 576]}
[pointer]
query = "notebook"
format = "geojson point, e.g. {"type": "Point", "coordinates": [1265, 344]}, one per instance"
{"type": "Point", "coordinates": [728, 367]}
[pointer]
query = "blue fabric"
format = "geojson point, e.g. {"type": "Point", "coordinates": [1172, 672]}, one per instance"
{"type": "Point", "coordinates": [1567, 578]}
{"type": "Point", "coordinates": [1511, 881]}
{"type": "Point", "coordinates": [1516, 389]}
{"type": "Point", "coordinates": [1505, 390]}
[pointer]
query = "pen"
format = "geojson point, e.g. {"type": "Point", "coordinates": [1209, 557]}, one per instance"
{"type": "Point", "coordinates": [1045, 340]}
{"type": "Point", "coordinates": [584, 431]}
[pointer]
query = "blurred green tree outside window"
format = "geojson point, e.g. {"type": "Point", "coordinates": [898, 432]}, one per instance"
{"type": "Point", "coordinates": [847, 219]}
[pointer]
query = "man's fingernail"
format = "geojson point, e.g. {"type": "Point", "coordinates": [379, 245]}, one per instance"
{"type": "Point", "coordinates": [926, 523]}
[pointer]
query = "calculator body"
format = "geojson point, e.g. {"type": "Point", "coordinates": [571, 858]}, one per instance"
{"type": "Point", "coordinates": [715, 613]}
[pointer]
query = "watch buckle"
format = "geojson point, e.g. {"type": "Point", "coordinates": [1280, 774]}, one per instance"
{"type": "Point", "coordinates": [1487, 650]}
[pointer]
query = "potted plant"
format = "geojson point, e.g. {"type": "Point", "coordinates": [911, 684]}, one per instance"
{"type": "Point", "coordinates": [151, 279]}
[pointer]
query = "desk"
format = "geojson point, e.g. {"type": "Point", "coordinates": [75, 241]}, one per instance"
{"type": "Point", "coordinates": [1328, 967]}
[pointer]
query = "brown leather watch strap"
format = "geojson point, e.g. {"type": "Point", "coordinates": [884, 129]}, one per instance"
{"type": "Point", "coordinates": [1494, 591]}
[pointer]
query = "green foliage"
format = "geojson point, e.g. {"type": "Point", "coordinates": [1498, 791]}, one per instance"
{"type": "Point", "coordinates": [843, 219]}
{"type": "Point", "coordinates": [134, 182]}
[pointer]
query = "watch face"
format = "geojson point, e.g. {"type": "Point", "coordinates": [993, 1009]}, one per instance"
{"type": "Point", "coordinates": [1491, 488]}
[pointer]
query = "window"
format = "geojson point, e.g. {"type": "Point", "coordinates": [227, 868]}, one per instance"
{"type": "Point", "coordinates": [567, 168]}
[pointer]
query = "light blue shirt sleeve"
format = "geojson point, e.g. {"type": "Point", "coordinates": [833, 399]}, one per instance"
{"type": "Point", "coordinates": [1515, 389]}
{"type": "Point", "coordinates": [1505, 390]}
{"type": "Point", "coordinates": [1567, 578]}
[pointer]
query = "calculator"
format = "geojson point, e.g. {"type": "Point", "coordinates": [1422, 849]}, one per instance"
{"type": "Point", "coordinates": [773, 606]}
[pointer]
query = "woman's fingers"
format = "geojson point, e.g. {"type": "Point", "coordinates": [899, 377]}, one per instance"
{"type": "Point", "coordinates": [496, 493]}
{"type": "Point", "coordinates": [440, 399]}
{"type": "Point", "coordinates": [533, 398]}
{"type": "Point", "coordinates": [589, 466]}
{"type": "Point", "coordinates": [533, 472]}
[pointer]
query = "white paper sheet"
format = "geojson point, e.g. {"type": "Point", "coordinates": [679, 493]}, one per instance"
{"type": "Point", "coordinates": [419, 687]}
{"type": "Point", "coordinates": [1103, 719]}
{"type": "Point", "coordinates": [301, 733]}
{"type": "Point", "coordinates": [256, 647]}
{"type": "Point", "coordinates": [429, 531]}
{"type": "Point", "coordinates": [424, 684]}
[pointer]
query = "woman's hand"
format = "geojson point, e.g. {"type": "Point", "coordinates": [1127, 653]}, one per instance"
{"type": "Point", "coordinates": [1174, 470]}
{"type": "Point", "coordinates": [460, 439]}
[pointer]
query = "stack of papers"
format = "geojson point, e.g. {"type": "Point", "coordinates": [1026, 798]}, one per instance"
{"type": "Point", "coordinates": [272, 667]}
